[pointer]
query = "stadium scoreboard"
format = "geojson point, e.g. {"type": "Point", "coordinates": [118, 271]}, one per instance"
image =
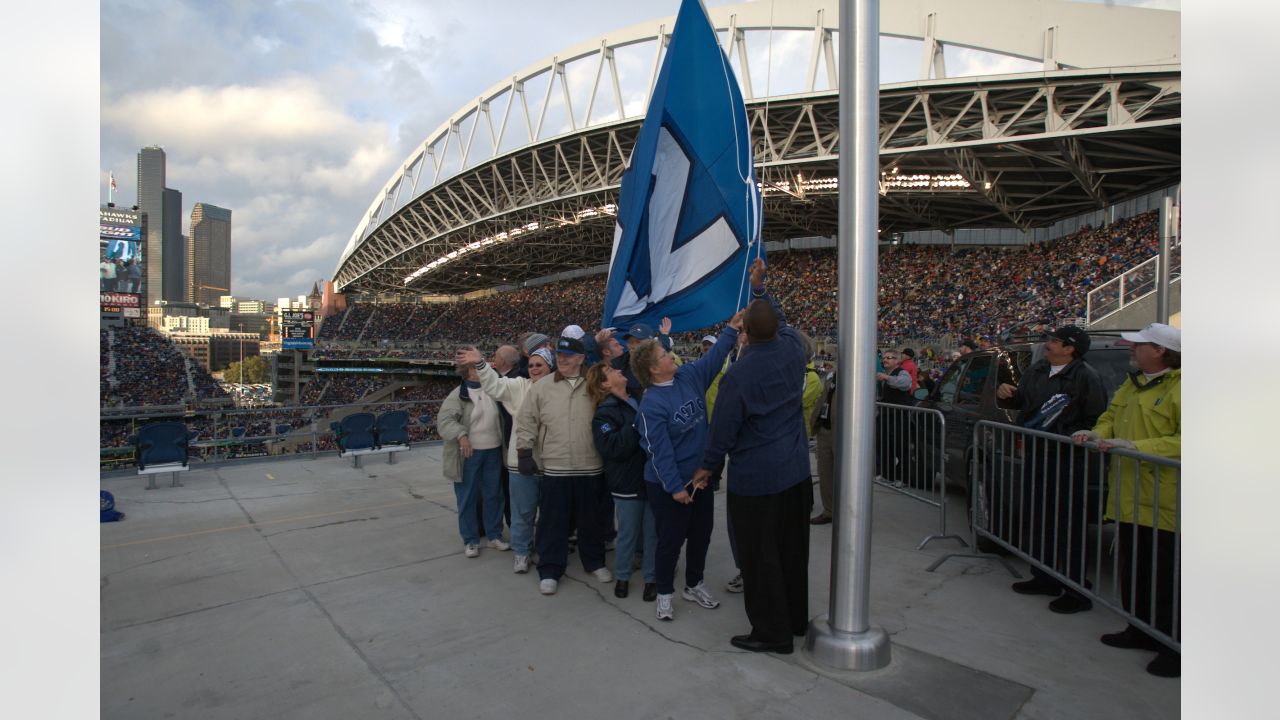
{"type": "Point", "coordinates": [297, 329]}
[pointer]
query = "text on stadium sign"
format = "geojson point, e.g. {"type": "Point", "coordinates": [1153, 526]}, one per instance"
{"type": "Point", "coordinates": [120, 299]}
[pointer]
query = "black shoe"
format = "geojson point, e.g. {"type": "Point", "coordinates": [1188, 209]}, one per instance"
{"type": "Point", "coordinates": [650, 592]}
{"type": "Point", "coordinates": [1071, 602]}
{"type": "Point", "coordinates": [1131, 638]}
{"type": "Point", "coordinates": [1036, 586]}
{"type": "Point", "coordinates": [747, 643]}
{"type": "Point", "coordinates": [621, 588]}
{"type": "Point", "coordinates": [1167, 664]}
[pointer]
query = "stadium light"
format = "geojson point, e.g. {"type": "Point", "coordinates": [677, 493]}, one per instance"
{"type": "Point", "coordinates": [506, 237]}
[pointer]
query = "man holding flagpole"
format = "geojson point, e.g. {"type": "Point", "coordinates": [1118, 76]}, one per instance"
{"type": "Point", "coordinates": [759, 423]}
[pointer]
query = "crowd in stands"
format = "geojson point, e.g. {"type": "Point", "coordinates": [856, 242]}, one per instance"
{"type": "Point", "coordinates": [149, 370]}
{"type": "Point", "coordinates": [207, 388]}
{"type": "Point", "coordinates": [926, 291]}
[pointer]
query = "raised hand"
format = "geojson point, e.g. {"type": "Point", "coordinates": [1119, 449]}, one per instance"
{"type": "Point", "coordinates": [604, 346]}
{"type": "Point", "coordinates": [757, 273]}
{"type": "Point", "coordinates": [467, 356]}
{"type": "Point", "coordinates": [664, 327]}
{"type": "Point", "coordinates": [735, 322]}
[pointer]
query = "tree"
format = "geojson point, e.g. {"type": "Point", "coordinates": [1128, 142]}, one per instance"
{"type": "Point", "coordinates": [254, 369]}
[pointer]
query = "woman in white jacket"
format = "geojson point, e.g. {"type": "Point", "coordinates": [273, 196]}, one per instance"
{"type": "Point", "coordinates": [525, 489]}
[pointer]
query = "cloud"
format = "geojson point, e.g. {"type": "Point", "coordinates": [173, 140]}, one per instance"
{"type": "Point", "coordinates": [965, 62]}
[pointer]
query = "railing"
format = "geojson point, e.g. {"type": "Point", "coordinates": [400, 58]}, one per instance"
{"type": "Point", "coordinates": [1131, 286]}
{"type": "Point", "coordinates": [227, 435]}
{"type": "Point", "coordinates": [1105, 524]}
{"type": "Point", "coordinates": [911, 458]}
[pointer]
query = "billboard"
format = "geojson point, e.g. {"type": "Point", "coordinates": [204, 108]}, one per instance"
{"type": "Point", "coordinates": [120, 268]}
{"type": "Point", "coordinates": [297, 329]}
{"type": "Point", "coordinates": [127, 304]}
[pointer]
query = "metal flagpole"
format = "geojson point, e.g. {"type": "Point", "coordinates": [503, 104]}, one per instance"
{"type": "Point", "coordinates": [844, 638]}
{"type": "Point", "coordinates": [1168, 221]}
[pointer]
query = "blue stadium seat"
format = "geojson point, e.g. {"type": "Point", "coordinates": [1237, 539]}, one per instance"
{"type": "Point", "coordinates": [237, 432]}
{"type": "Point", "coordinates": [355, 432]}
{"type": "Point", "coordinates": [162, 442]}
{"type": "Point", "coordinates": [424, 420]}
{"type": "Point", "coordinates": [393, 428]}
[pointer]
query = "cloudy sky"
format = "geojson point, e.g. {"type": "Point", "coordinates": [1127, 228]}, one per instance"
{"type": "Point", "coordinates": [294, 113]}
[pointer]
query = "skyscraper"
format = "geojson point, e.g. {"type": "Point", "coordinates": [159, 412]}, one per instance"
{"type": "Point", "coordinates": [175, 248]}
{"type": "Point", "coordinates": [151, 204]}
{"type": "Point", "coordinates": [209, 254]}
{"type": "Point", "coordinates": [164, 252]}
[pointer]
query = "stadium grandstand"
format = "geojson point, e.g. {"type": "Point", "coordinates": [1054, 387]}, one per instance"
{"type": "Point", "coordinates": [1004, 199]}
{"type": "Point", "coordinates": [519, 187]}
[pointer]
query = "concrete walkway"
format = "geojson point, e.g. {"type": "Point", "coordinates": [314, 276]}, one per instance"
{"type": "Point", "coordinates": [305, 588]}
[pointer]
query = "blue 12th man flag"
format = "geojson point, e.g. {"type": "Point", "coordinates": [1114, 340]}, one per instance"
{"type": "Point", "coordinates": [689, 213]}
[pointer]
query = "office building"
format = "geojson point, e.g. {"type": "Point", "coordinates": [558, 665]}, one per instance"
{"type": "Point", "coordinates": [209, 254]}
{"type": "Point", "coordinates": [175, 248]}
{"type": "Point", "coordinates": [151, 178]}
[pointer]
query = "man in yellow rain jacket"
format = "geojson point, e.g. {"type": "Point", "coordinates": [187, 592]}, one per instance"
{"type": "Point", "coordinates": [1146, 416]}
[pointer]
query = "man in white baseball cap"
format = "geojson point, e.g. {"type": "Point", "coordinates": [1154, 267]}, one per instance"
{"type": "Point", "coordinates": [1166, 336]}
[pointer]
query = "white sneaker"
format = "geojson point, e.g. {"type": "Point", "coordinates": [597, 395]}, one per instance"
{"type": "Point", "coordinates": [521, 565]}
{"type": "Point", "coordinates": [471, 550]}
{"type": "Point", "coordinates": [602, 574]}
{"type": "Point", "coordinates": [499, 544]}
{"type": "Point", "coordinates": [665, 611]}
{"type": "Point", "coordinates": [548, 586]}
{"type": "Point", "coordinates": [698, 593]}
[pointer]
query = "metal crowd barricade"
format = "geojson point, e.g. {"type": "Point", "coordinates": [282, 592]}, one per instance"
{"type": "Point", "coordinates": [1089, 518]}
{"type": "Point", "coordinates": [911, 458]}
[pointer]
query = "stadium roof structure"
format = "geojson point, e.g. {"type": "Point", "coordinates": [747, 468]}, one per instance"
{"type": "Point", "coordinates": [522, 183]}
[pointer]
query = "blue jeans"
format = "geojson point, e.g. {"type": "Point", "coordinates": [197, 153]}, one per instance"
{"type": "Point", "coordinates": [635, 518]}
{"type": "Point", "coordinates": [525, 490]}
{"type": "Point", "coordinates": [480, 475]}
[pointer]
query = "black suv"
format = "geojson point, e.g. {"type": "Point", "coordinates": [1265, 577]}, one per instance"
{"type": "Point", "coordinates": [966, 393]}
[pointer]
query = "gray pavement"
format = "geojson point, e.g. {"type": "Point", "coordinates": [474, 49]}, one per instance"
{"type": "Point", "coordinates": [306, 588]}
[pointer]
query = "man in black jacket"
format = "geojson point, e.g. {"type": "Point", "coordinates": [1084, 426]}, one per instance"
{"type": "Point", "coordinates": [1060, 394]}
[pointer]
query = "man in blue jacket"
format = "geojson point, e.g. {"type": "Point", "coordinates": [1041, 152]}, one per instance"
{"type": "Point", "coordinates": [673, 431]}
{"type": "Point", "coordinates": [759, 422]}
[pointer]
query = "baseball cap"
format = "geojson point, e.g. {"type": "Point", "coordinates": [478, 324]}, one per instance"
{"type": "Point", "coordinates": [1166, 336]}
{"type": "Point", "coordinates": [709, 338]}
{"type": "Point", "coordinates": [546, 356]}
{"type": "Point", "coordinates": [533, 341]}
{"type": "Point", "coordinates": [639, 331]}
{"type": "Point", "coordinates": [970, 344]}
{"type": "Point", "coordinates": [1073, 336]}
{"type": "Point", "coordinates": [570, 346]}
{"type": "Point", "coordinates": [574, 331]}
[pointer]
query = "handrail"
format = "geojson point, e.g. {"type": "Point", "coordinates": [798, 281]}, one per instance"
{"type": "Point", "coordinates": [1130, 286]}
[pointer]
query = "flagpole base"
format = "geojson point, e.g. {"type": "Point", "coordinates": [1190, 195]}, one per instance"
{"type": "Point", "coordinates": [846, 651]}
